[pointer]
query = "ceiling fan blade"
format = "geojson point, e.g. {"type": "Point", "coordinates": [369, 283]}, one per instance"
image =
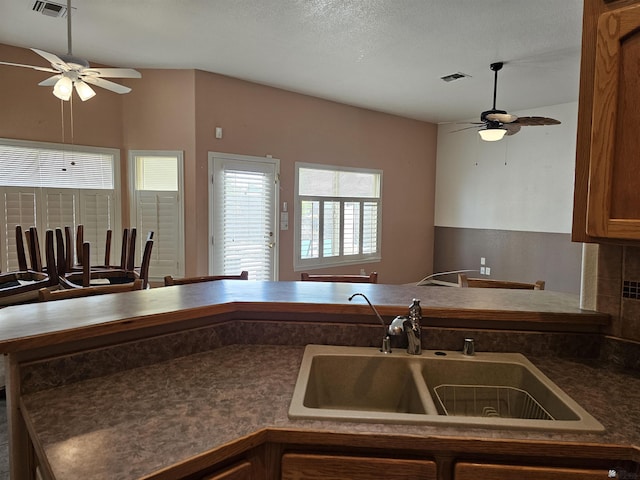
{"type": "Point", "coordinates": [40, 69]}
{"type": "Point", "coordinates": [100, 82]}
{"type": "Point", "coordinates": [512, 128]}
{"type": "Point", "coordinates": [467, 128]}
{"type": "Point", "coordinates": [56, 62]}
{"type": "Point", "coordinates": [501, 117]}
{"type": "Point", "coordinates": [112, 72]}
{"type": "Point", "coordinates": [533, 121]}
{"type": "Point", "coordinates": [51, 81]}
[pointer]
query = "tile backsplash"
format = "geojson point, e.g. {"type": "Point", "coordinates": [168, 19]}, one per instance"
{"type": "Point", "coordinates": [80, 366]}
{"type": "Point", "coordinates": [619, 289]}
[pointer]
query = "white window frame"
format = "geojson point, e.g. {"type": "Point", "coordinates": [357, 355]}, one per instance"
{"type": "Point", "coordinates": [41, 222]}
{"type": "Point", "coordinates": [300, 264]}
{"type": "Point", "coordinates": [132, 167]}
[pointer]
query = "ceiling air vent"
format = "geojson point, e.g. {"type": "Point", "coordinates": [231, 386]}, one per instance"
{"type": "Point", "coordinates": [51, 9]}
{"type": "Point", "coordinates": [454, 76]}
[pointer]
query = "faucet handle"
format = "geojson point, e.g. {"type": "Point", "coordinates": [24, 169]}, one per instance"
{"type": "Point", "coordinates": [469, 348]}
{"type": "Point", "coordinates": [397, 325]}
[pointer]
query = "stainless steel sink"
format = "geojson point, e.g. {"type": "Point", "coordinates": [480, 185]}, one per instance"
{"type": "Point", "coordinates": [503, 390]}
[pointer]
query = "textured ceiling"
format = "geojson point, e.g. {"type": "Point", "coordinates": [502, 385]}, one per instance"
{"type": "Point", "coordinates": [387, 55]}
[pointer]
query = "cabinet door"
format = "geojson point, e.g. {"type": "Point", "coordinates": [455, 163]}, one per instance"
{"type": "Point", "coordinates": [481, 471]}
{"type": "Point", "coordinates": [613, 209]}
{"type": "Point", "coordinates": [336, 467]}
{"type": "Point", "coordinates": [240, 471]}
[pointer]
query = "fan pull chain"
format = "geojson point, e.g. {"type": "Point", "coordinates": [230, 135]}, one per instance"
{"type": "Point", "coordinates": [62, 118]}
{"type": "Point", "coordinates": [71, 111]}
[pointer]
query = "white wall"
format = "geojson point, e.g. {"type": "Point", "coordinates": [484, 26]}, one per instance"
{"type": "Point", "coordinates": [523, 182]}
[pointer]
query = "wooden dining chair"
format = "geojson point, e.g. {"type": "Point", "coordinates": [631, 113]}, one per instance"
{"type": "Point", "coordinates": [371, 278]}
{"type": "Point", "coordinates": [169, 280]}
{"type": "Point", "coordinates": [22, 286]}
{"type": "Point", "coordinates": [466, 282]}
{"type": "Point", "coordinates": [70, 251]}
{"type": "Point", "coordinates": [52, 294]}
{"type": "Point", "coordinates": [92, 276]}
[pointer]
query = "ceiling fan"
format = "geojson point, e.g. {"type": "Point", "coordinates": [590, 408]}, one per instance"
{"type": "Point", "coordinates": [71, 71]}
{"type": "Point", "coordinates": [495, 124]}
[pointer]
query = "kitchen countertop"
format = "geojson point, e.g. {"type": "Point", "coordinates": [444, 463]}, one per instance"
{"type": "Point", "coordinates": [136, 422]}
{"type": "Point", "coordinates": [26, 327]}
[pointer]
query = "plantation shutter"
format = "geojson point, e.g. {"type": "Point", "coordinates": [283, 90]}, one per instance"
{"type": "Point", "coordinates": [157, 182]}
{"type": "Point", "coordinates": [19, 206]}
{"type": "Point", "coordinates": [97, 209]}
{"type": "Point", "coordinates": [60, 208]}
{"type": "Point", "coordinates": [158, 211]}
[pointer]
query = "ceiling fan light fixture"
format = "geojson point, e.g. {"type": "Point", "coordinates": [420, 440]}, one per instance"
{"type": "Point", "coordinates": [492, 134]}
{"type": "Point", "coordinates": [85, 92]}
{"type": "Point", "coordinates": [63, 88]}
{"type": "Point", "coordinates": [70, 71]}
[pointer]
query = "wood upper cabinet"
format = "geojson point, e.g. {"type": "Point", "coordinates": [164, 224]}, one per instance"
{"type": "Point", "coordinates": [607, 197]}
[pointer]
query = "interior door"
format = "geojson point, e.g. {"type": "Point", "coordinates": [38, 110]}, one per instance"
{"type": "Point", "coordinates": [243, 198]}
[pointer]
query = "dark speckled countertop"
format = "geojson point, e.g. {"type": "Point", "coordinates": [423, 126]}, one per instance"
{"type": "Point", "coordinates": [136, 422]}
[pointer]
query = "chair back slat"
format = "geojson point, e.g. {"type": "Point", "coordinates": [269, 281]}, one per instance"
{"type": "Point", "coordinates": [79, 244]}
{"type": "Point", "coordinates": [22, 257]}
{"type": "Point", "coordinates": [131, 250]}
{"type": "Point", "coordinates": [371, 278]}
{"type": "Point", "coordinates": [107, 248]}
{"type": "Point", "coordinates": [169, 280]}
{"type": "Point", "coordinates": [466, 282]}
{"type": "Point", "coordinates": [34, 250]}
{"type": "Point", "coordinates": [49, 294]}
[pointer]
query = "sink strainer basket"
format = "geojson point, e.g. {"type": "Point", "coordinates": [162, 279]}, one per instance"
{"type": "Point", "coordinates": [489, 401]}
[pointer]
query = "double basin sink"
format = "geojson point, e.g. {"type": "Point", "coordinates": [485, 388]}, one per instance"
{"type": "Point", "coordinates": [502, 390]}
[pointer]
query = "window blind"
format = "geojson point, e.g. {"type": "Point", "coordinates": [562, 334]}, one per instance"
{"type": "Point", "coordinates": [245, 221]}
{"type": "Point", "coordinates": [26, 166]}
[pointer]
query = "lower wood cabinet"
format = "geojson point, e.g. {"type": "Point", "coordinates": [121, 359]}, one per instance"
{"type": "Point", "coordinates": [298, 466]}
{"type": "Point", "coordinates": [239, 471]}
{"type": "Point", "coordinates": [482, 471]}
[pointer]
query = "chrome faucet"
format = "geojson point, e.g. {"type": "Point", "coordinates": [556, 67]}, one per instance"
{"type": "Point", "coordinates": [386, 344]}
{"type": "Point", "coordinates": [410, 324]}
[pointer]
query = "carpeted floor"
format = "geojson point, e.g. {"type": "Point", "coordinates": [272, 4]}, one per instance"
{"type": "Point", "coordinates": [4, 441]}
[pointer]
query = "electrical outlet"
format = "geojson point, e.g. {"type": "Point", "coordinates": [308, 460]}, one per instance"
{"type": "Point", "coordinates": [481, 270]}
{"type": "Point", "coordinates": [483, 260]}
{"type": "Point", "coordinates": [487, 270]}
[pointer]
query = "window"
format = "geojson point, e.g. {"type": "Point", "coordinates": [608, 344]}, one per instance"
{"type": "Point", "coordinates": [52, 185]}
{"type": "Point", "coordinates": [156, 178]}
{"type": "Point", "coordinates": [338, 215]}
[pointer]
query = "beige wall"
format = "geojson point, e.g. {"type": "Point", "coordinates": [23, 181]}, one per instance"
{"type": "Point", "coordinates": [178, 110]}
{"type": "Point", "coordinates": [159, 115]}
{"type": "Point", "coordinates": [259, 120]}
